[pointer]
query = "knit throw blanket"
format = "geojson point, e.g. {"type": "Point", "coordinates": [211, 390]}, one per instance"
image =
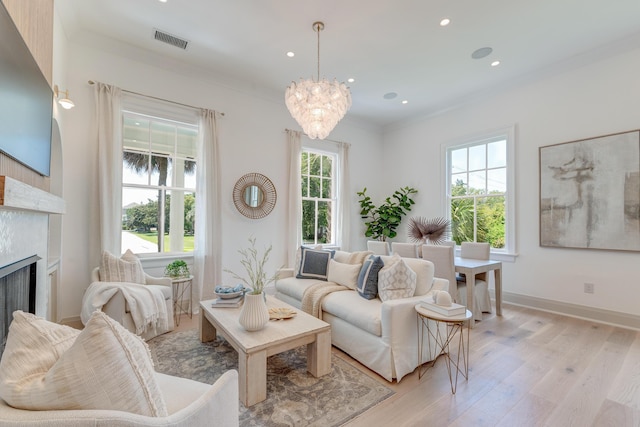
{"type": "Point", "coordinates": [314, 294]}
{"type": "Point", "coordinates": [146, 305]}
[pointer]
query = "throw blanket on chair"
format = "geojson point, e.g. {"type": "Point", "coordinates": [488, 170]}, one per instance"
{"type": "Point", "coordinates": [146, 305]}
{"type": "Point", "coordinates": [314, 294]}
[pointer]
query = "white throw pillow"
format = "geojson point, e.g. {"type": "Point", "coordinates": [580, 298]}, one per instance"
{"type": "Point", "coordinates": [344, 274]}
{"type": "Point", "coordinates": [106, 367]}
{"type": "Point", "coordinates": [33, 346]}
{"type": "Point", "coordinates": [127, 268]}
{"type": "Point", "coordinates": [396, 280]}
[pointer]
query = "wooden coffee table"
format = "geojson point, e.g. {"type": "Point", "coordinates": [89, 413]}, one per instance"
{"type": "Point", "coordinates": [277, 336]}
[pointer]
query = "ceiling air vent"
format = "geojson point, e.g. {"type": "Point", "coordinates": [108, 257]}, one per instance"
{"type": "Point", "coordinates": [169, 39]}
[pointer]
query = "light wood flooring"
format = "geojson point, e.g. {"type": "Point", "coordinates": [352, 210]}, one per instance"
{"type": "Point", "coordinates": [527, 368]}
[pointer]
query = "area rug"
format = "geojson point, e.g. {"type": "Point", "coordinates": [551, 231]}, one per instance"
{"type": "Point", "coordinates": [294, 397]}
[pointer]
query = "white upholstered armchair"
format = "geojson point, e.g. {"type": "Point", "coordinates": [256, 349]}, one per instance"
{"type": "Point", "coordinates": [119, 309]}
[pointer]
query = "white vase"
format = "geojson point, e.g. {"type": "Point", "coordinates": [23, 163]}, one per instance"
{"type": "Point", "coordinates": [254, 313]}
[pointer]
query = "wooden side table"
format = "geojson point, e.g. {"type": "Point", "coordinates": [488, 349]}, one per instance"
{"type": "Point", "coordinates": [180, 286]}
{"type": "Point", "coordinates": [453, 325]}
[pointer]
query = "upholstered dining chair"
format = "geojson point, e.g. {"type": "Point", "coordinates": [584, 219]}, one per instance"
{"type": "Point", "coordinates": [405, 250]}
{"type": "Point", "coordinates": [378, 247]}
{"type": "Point", "coordinates": [442, 258]}
{"type": "Point", "coordinates": [482, 301]}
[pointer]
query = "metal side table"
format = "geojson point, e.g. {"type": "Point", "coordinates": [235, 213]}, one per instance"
{"type": "Point", "coordinates": [443, 331]}
{"type": "Point", "coordinates": [180, 287]}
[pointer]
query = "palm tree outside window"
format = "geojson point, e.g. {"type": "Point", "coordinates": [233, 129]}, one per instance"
{"type": "Point", "coordinates": [480, 189]}
{"type": "Point", "coordinates": [158, 184]}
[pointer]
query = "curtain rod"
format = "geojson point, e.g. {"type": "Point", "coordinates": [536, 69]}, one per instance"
{"type": "Point", "coordinates": [329, 140]}
{"type": "Point", "coordinates": [91, 82]}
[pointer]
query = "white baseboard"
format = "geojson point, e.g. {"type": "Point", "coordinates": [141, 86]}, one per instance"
{"type": "Point", "coordinates": [609, 317]}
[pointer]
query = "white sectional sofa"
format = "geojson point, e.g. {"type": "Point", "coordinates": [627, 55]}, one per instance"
{"type": "Point", "coordinates": [381, 335]}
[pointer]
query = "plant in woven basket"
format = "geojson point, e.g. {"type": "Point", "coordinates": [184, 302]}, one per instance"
{"type": "Point", "coordinates": [423, 230]}
{"type": "Point", "coordinates": [254, 266]}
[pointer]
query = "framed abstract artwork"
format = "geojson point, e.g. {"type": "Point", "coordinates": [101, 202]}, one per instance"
{"type": "Point", "coordinates": [590, 193]}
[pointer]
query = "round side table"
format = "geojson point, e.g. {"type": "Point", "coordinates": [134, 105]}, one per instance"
{"type": "Point", "coordinates": [180, 286]}
{"type": "Point", "coordinates": [443, 330]}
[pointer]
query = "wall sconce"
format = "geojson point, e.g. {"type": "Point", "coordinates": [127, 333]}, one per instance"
{"type": "Point", "coordinates": [65, 102]}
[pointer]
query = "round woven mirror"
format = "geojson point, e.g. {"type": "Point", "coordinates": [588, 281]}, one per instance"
{"type": "Point", "coordinates": [254, 195]}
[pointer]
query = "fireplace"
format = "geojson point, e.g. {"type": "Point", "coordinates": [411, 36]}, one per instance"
{"type": "Point", "coordinates": [17, 292]}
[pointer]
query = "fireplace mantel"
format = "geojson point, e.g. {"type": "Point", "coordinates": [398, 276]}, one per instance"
{"type": "Point", "coordinates": [16, 195]}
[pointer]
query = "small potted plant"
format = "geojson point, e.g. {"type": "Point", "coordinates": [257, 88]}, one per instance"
{"type": "Point", "coordinates": [177, 269]}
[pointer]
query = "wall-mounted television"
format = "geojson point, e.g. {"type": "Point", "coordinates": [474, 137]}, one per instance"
{"type": "Point", "coordinates": [26, 101]}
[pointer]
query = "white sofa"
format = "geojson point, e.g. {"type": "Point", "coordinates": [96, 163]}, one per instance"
{"type": "Point", "coordinates": [118, 309]}
{"type": "Point", "coordinates": [381, 335]}
{"type": "Point", "coordinates": [189, 403]}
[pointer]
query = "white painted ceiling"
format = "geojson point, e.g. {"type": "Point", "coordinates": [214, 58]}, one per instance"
{"type": "Point", "coordinates": [387, 46]}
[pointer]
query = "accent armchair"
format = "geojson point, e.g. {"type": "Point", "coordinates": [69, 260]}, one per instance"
{"type": "Point", "coordinates": [118, 309]}
{"type": "Point", "coordinates": [190, 404]}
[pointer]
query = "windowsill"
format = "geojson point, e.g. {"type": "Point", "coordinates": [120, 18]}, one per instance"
{"type": "Point", "coordinates": [156, 260]}
{"type": "Point", "coordinates": [503, 256]}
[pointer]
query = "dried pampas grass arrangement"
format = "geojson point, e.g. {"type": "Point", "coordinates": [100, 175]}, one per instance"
{"type": "Point", "coordinates": [434, 230]}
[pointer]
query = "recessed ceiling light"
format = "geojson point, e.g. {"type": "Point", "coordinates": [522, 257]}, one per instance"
{"type": "Point", "coordinates": [481, 53]}
{"type": "Point", "coordinates": [351, 80]}
{"type": "Point", "coordinates": [163, 1]}
{"type": "Point", "coordinates": [445, 22]}
{"type": "Point", "coordinates": [495, 63]}
{"type": "Point", "coordinates": [405, 101]}
{"type": "Point", "coordinates": [291, 54]}
{"type": "Point", "coordinates": [389, 95]}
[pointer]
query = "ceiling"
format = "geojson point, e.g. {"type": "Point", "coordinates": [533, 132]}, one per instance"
{"type": "Point", "coordinates": [385, 46]}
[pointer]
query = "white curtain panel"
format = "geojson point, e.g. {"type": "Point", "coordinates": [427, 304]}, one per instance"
{"type": "Point", "coordinates": [344, 198]}
{"type": "Point", "coordinates": [294, 219]}
{"type": "Point", "coordinates": [208, 247]}
{"type": "Point", "coordinates": [108, 131]}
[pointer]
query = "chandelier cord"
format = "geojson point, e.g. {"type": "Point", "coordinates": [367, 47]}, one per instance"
{"type": "Point", "coordinates": [318, 28]}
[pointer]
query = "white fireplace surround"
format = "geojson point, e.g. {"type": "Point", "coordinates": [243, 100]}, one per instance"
{"type": "Point", "coordinates": [24, 231]}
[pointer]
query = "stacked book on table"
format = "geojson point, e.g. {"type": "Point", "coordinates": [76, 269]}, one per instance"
{"type": "Point", "coordinates": [453, 310]}
{"type": "Point", "coordinates": [227, 302]}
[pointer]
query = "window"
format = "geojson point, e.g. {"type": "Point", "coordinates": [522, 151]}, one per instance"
{"type": "Point", "coordinates": [158, 183]}
{"type": "Point", "coordinates": [319, 197]}
{"type": "Point", "coordinates": [480, 190]}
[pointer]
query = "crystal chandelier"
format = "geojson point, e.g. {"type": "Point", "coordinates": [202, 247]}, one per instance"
{"type": "Point", "coordinates": [317, 105]}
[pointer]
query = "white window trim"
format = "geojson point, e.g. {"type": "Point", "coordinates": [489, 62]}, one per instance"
{"type": "Point", "coordinates": [509, 132]}
{"type": "Point", "coordinates": [328, 149]}
{"type": "Point", "coordinates": [160, 111]}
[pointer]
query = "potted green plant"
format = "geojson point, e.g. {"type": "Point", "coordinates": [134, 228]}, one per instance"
{"type": "Point", "coordinates": [383, 220]}
{"type": "Point", "coordinates": [177, 269]}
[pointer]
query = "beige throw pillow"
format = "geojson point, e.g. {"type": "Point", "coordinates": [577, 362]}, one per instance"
{"type": "Point", "coordinates": [358, 257]}
{"type": "Point", "coordinates": [33, 346]}
{"type": "Point", "coordinates": [127, 268]}
{"type": "Point", "coordinates": [344, 274]}
{"type": "Point", "coordinates": [106, 367]}
{"type": "Point", "coordinates": [396, 280]}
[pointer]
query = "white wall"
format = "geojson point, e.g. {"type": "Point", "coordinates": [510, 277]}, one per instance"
{"type": "Point", "coordinates": [597, 99]}
{"type": "Point", "coordinates": [252, 139]}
